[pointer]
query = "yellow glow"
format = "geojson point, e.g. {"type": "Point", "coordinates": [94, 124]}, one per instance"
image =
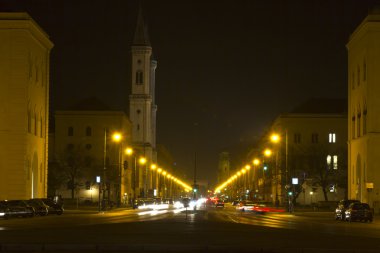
{"type": "Point", "coordinates": [238, 173]}
{"type": "Point", "coordinates": [153, 166]}
{"type": "Point", "coordinates": [142, 160]}
{"type": "Point", "coordinates": [159, 170]}
{"type": "Point", "coordinates": [256, 161]}
{"type": "Point", "coordinates": [164, 173]}
{"type": "Point", "coordinates": [129, 151]}
{"type": "Point", "coordinates": [274, 138]}
{"type": "Point", "coordinates": [243, 171]}
{"type": "Point", "coordinates": [116, 136]}
{"type": "Point", "coordinates": [247, 167]}
{"type": "Point", "coordinates": [168, 175]}
{"type": "Point", "coordinates": [267, 152]}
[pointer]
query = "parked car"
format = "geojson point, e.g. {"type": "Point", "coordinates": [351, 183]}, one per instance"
{"type": "Point", "coordinates": [39, 206]}
{"type": "Point", "coordinates": [53, 207]}
{"type": "Point", "coordinates": [359, 211]}
{"type": "Point", "coordinates": [17, 208]}
{"type": "Point", "coordinates": [342, 207]}
{"type": "Point", "coordinates": [3, 210]}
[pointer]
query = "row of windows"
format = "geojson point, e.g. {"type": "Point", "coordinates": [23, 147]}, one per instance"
{"type": "Point", "coordinates": [35, 125]}
{"type": "Point", "coordinates": [357, 123]}
{"type": "Point", "coordinates": [332, 162]}
{"type": "Point", "coordinates": [314, 138]}
{"type": "Point", "coordinates": [88, 132]}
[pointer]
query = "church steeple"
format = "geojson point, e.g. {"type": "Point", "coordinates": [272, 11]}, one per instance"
{"type": "Point", "coordinates": [141, 37]}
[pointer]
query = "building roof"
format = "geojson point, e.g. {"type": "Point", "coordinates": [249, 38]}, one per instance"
{"type": "Point", "coordinates": [90, 104]}
{"type": "Point", "coordinates": [141, 37]}
{"type": "Point", "coordinates": [322, 106]}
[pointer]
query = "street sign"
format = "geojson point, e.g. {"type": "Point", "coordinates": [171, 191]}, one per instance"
{"type": "Point", "coordinates": [98, 179]}
{"type": "Point", "coordinates": [294, 180]}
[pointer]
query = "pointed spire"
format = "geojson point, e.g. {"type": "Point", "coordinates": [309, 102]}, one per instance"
{"type": "Point", "coordinates": [141, 37]}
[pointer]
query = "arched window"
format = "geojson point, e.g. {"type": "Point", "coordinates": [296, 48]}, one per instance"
{"type": "Point", "coordinates": [139, 77]}
{"type": "Point", "coordinates": [41, 128]}
{"type": "Point", "coordinates": [353, 136]}
{"type": "Point", "coordinates": [35, 124]}
{"type": "Point", "coordinates": [365, 120]}
{"type": "Point", "coordinates": [29, 122]}
{"type": "Point", "coordinates": [88, 131]}
{"type": "Point", "coordinates": [358, 123]}
{"type": "Point", "coordinates": [70, 131]}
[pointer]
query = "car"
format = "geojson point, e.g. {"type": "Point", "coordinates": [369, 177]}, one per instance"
{"type": "Point", "coordinates": [39, 206]}
{"type": "Point", "coordinates": [16, 208]}
{"type": "Point", "coordinates": [219, 203]}
{"type": "Point", "coordinates": [342, 207]}
{"type": "Point", "coordinates": [245, 205]}
{"type": "Point", "coordinates": [359, 211]}
{"type": "Point", "coordinates": [263, 208]}
{"type": "Point", "coordinates": [52, 205]}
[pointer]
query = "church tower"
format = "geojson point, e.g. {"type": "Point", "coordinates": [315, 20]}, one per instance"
{"type": "Point", "coordinates": [142, 107]}
{"type": "Point", "coordinates": [363, 111]}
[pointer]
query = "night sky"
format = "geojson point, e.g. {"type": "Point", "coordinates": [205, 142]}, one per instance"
{"type": "Point", "coordinates": [226, 69]}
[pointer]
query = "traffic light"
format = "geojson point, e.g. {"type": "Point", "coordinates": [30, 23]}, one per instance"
{"type": "Point", "coordinates": [290, 193]}
{"type": "Point", "coordinates": [125, 165]}
{"type": "Point", "coordinates": [265, 167]}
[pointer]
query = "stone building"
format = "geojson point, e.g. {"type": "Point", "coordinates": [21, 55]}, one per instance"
{"type": "Point", "coordinates": [24, 107]}
{"type": "Point", "coordinates": [312, 148]}
{"type": "Point", "coordinates": [364, 111]}
{"type": "Point", "coordinates": [87, 130]}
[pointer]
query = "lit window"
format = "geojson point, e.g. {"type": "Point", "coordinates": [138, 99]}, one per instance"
{"type": "Point", "coordinates": [335, 162]}
{"type": "Point", "coordinates": [328, 159]}
{"type": "Point", "coordinates": [332, 138]}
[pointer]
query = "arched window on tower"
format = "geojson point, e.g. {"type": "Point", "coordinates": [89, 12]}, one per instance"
{"type": "Point", "coordinates": [353, 127]}
{"type": "Point", "coordinates": [139, 77]}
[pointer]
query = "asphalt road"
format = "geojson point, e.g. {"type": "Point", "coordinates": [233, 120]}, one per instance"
{"type": "Point", "coordinates": [203, 230]}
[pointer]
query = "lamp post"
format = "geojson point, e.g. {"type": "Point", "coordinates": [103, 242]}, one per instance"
{"type": "Point", "coordinates": [275, 138]}
{"type": "Point", "coordinates": [267, 153]}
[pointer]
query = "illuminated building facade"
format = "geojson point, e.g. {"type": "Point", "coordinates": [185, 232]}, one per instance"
{"type": "Point", "coordinates": [363, 111]}
{"type": "Point", "coordinates": [142, 107]}
{"type": "Point", "coordinates": [312, 148]}
{"type": "Point", "coordinates": [24, 107]}
{"type": "Point", "coordinates": [87, 130]}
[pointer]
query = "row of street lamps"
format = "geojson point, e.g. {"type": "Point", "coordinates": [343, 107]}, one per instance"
{"type": "Point", "coordinates": [246, 170]}
{"type": "Point", "coordinates": [141, 160]}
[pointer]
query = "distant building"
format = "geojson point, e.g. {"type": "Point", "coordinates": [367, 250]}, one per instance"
{"type": "Point", "coordinates": [142, 107]}
{"type": "Point", "coordinates": [84, 145]}
{"type": "Point", "coordinates": [363, 111]}
{"type": "Point", "coordinates": [24, 107]}
{"type": "Point", "coordinates": [312, 148]}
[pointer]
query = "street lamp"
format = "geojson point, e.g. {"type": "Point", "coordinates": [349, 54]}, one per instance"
{"type": "Point", "coordinates": [117, 137]}
{"type": "Point", "coordinates": [275, 138]}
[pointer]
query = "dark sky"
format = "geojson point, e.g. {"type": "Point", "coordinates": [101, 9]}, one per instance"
{"type": "Point", "coordinates": [229, 66]}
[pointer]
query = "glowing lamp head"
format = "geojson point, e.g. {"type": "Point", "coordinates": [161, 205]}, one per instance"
{"type": "Point", "coordinates": [256, 161]}
{"type": "Point", "coordinates": [129, 151]}
{"type": "Point", "coordinates": [116, 137]}
{"type": "Point", "coordinates": [267, 152]}
{"type": "Point", "coordinates": [274, 138]}
{"type": "Point", "coordinates": [142, 160]}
